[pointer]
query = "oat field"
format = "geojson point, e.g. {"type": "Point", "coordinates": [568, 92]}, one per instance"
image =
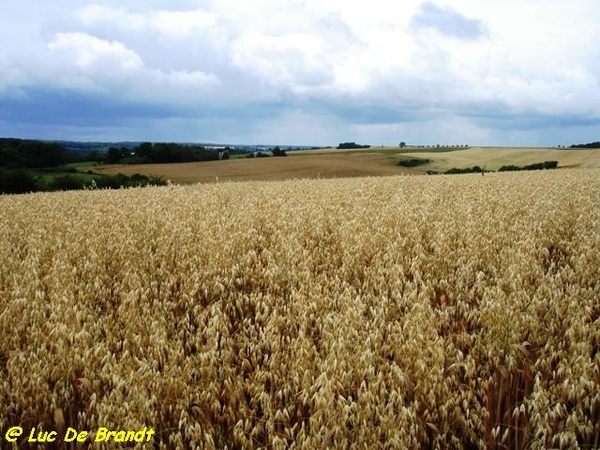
{"type": "Point", "coordinates": [442, 312]}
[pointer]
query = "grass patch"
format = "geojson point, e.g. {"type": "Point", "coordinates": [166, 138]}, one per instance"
{"type": "Point", "coordinates": [48, 176]}
{"type": "Point", "coordinates": [81, 165]}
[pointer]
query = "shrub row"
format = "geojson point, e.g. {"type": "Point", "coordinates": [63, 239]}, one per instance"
{"type": "Point", "coordinates": [509, 168]}
{"type": "Point", "coordinates": [537, 166]}
{"type": "Point", "coordinates": [20, 181]}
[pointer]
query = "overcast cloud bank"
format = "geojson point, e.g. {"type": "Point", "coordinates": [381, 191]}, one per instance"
{"type": "Point", "coordinates": [312, 72]}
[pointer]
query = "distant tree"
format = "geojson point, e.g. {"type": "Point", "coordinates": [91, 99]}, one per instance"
{"type": "Point", "coordinates": [351, 145]}
{"type": "Point", "coordinates": [65, 183]}
{"type": "Point", "coordinates": [41, 154]}
{"type": "Point", "coordinates": [9, 157]}
{"type": "Point", "coordinates": [32, 154]}
{"type": "Point", "coordinates": [455, 170]}
{"type": "Point", "coordinates": [171, 152]}
{"type": "Point", "coordinates": [93, 156]}
{"type": "Point", "coordinates": [157, 181]}
{"type": "Point", "coordinates": [509, 168]}
{"type": "Point", "coordinates": [402, 144]}
{"type": "Point", "coordinates": [595, 144]}
{"type": "Point", "coordinates": [277, 151]}
{"type": "Point", "coordinates": [114, 155]}
{"type": "Point", "coordinates": [535, 166]}
{"type": "Point", "coordinates": [144, 150]}
{"type": "Point", "coordinates": [19, 181]}
{"type": "Point", "coordinates": [413, 162]}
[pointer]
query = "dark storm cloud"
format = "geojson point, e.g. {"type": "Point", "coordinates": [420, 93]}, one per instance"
{"type": "Point", "coordinates": [309, 72]}
{"type": "Point", "coordinates": [532, 121]}
{"type": "Point", "coordinates": [52, 106]}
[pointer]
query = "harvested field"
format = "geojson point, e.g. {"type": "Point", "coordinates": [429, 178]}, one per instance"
{"type": "Point", "coordinates": [257, 169]}
{"type": "Point", "coordinates": [333, 163]}
{"type": "Point", "coordinates": [453, 312]}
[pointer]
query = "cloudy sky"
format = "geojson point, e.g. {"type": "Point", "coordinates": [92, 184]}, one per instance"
{"type": "Point", "coordinates": [481, 72]}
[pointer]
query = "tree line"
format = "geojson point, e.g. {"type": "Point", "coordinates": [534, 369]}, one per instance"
{"type": "Point", "coordinates": [546, 165]}
{"type": "Point", "coordinates": [19, 153]}
{"type": "Point", "coordinates": [351, 145]}
{"type": "Point", "coordinates": [33, 154]}
{"type": "Point", "coordinates": [160, 153]}
{"type": "Point", "coordinates": [33, 166]}
{"type": "Point", "coordinates": [588, 145]}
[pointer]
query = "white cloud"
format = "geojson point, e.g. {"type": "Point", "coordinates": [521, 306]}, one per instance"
{"type": "Point", "coordinates": [447, 21]}
{"type": "Point", "coordinates": [89, 52]}
{"type": "Point", "coordinates": [294, 60]}
{"type": "Point", "coordinates": [94, 14]}
{"type": "Point", "coordinates": [170, 24]}
{"type": "Point", "coordinates": [181, 24]}
{"type": "Point", "coordinates": [570, 91]}
{"type": "Point", "coordinates": [88, 63]}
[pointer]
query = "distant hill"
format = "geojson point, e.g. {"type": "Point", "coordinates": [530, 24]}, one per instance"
{"type": "Point", "coordinates": [100, 147]}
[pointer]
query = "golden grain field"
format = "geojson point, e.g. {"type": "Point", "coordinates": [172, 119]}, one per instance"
{"type": "Point", "coordinates": [398, 312]}
{"type": "Point", "coordinates": [492, 158]}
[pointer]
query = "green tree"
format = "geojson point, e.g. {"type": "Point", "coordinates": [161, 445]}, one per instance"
{"type": "Point", "coordinates": [65, 183]}
{"type": "Point", "coordinates": [115, 155]}
{"type": "Point", "coordinates": [19, 181]}
{"type": "Point", "coordinates": [41, 154]}
{"type": "Point", "coordinates": [278, 151]}
{"type": "Point", "coordinates": [33, 154]}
